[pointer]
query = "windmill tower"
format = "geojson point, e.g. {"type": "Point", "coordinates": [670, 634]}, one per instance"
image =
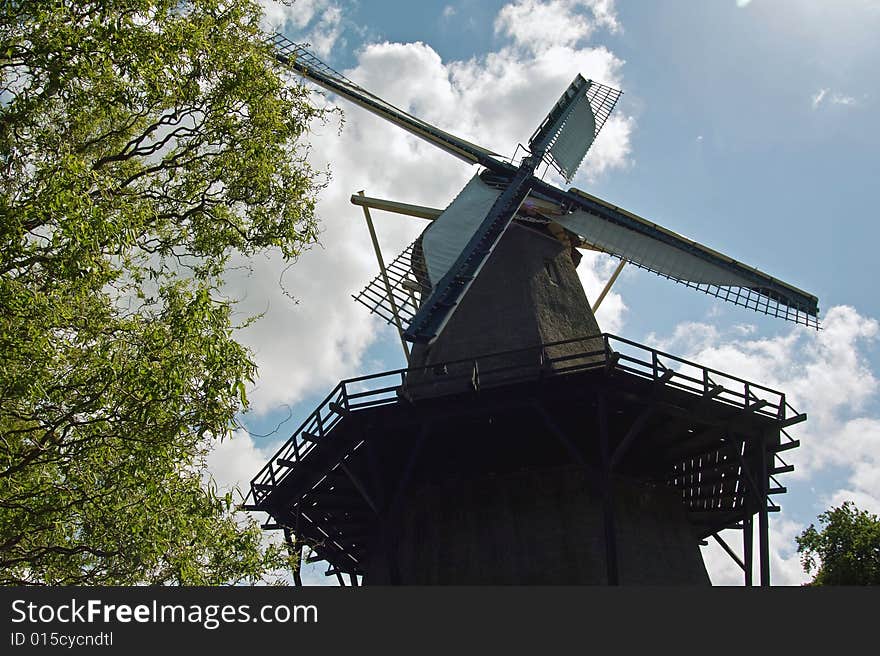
{"type": "Point", "coordinates": [522, 444]}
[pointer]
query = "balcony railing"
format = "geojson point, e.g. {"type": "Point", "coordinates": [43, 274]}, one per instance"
{"type": "Point", "coordinates": [615, 354]}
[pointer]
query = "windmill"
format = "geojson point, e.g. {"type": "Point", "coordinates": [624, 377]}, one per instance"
{"type": "Point", "coordinates": [505, 348]}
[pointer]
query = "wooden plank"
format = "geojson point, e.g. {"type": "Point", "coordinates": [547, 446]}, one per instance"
{"type": "Point", "coordinates": [785, 446]}
{"type": "Point", "coordinates": [785, 423]}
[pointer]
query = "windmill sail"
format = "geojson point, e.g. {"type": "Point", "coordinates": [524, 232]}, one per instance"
{"type": "Point", "coordinates": [438, 308]}
{"type": "Point", "coordinates": [571, 127]}
{"type": "Point", "coordinates": [308, 65]}
{"type": "Point", "coordinates": [650, 246]}
{"type": "Point", "coordinates": [449, 233]}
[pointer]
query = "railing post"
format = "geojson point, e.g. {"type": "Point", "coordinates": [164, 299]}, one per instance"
{"type": "Point", "coordinates": [763, 519]}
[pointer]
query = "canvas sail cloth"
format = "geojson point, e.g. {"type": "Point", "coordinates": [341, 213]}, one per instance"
{"type": "Point", "coordinates": [649, 252]}
{"type": "Point", "coordinates": [683, 260]}
{"type": "Point", "coordinates": [446, 237]}
{"type": "Point", "coordinates": [574, 138]}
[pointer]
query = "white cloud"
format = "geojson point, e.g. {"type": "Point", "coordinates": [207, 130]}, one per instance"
{"type": "Point", "coordinates": [318, 22]}
{"type": "Point", "coordinates": [743, 3]}
{"type": "Point", "coordinates": [235, 461]}
{"type": "Point", "coordinates": [840, 99]}
{"type": "Point", "coordinates": [823, 95]}
{"type": "Point", "coordinates": [532, 24]}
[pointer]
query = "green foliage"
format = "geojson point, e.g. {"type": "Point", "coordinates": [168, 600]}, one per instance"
{"type": "Point", "coordinates": [142, 144]}
{"type": "Point", "coordinates": [846, 551]}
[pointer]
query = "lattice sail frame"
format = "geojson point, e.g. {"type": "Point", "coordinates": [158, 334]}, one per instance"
{"type": "Point", "coordinates": [565, 154]}
{"type": "Point", "coordinates": [569, 130]}
{"type": "Point", "coordinates": [745, 297]}
{"type": "Point", "coordinates": [409, 282]}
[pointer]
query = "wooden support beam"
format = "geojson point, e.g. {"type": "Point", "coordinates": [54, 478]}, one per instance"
{"type": "Point", "coordinates": [665, 377]}
{"type": "Point", "coordinates": [354, 511]}
{"type": "Point", "coordinates": [573, 451]}
{"type": "Point", "coordinates": [763, 519]}
{"type": "Point", "coordinates": [385, 280]}
{"type": "Point", "coordinates": [729, 551]}
{"type": "Point", "coordinates": [360, 487]}
{"type": "Point", "coordinates": [785, 446]}
{"type": "Point", "coordinates": [611, 564]}
{"type": "Point", "coordinates": [417, 211]}
{"type": "Point", "coordinates": [719, 497]}
{"type": "Point", "coordinates": [748, 545]}
{"type": "Point", "coordinates": [693, 446]}
{"type": "Point", "coordinates": [608, 285]}
{"type": "Point", "coordinates": [338, 409]}
{"type": "Point", "coordinates": [611, 361]}
{"type": "Point", "coordinates": [785, 423]}
{"type": "Point", "coordinates": [318, 497]}
{"type": "Point", "coordinates": [717, 390]}
{"type": "Point", "coordinates": [409, 467]}
{"type": "Point", "coordinates": [295, 550]}
{"type": "Point", "coordinates": [634, 431]}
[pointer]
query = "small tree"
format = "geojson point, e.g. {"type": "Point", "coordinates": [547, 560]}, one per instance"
{"type": "Point", "coordinates": [846, 551]}
{"type": "Point", "coordinates": [142, 142]}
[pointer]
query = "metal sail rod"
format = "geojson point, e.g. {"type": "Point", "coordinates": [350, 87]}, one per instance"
{"type": "Point", "coordinates": [309, 66]}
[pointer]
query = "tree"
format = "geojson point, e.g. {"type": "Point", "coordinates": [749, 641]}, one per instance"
{"type": "Point", "coordinates": [142, 144]}
{"type": "Point", "coordinates": [846, 550]}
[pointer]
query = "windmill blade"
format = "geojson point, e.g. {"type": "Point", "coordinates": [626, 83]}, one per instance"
{"type": "Point", "coordinates": [448, 235]}
{"type": "Point", "coordinates": [409, 283]}
{"type": "Point", "coordinates": [650, 246]}
{"type": "Point", "coordinates": [447, 293]}
{"type": "Point", "coordinates": [298, 58]}
{"type": "Point", "coordinates": [572, 125]}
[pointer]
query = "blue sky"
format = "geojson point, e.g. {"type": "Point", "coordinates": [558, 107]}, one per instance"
{"type": "Point", "coordinates": [748, 126]}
